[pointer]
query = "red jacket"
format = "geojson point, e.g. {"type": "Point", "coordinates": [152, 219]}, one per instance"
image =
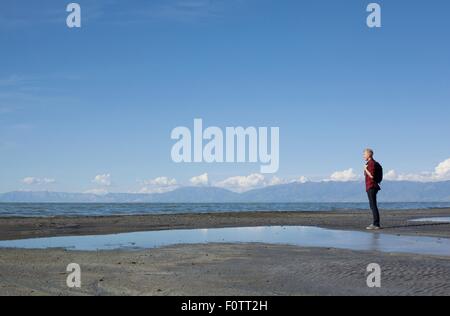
{"type": "Point", "coordinates": [370, 183]}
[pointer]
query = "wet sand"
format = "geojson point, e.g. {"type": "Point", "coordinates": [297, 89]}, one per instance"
{"type": "Point", "coordinates": [235, 269]}
{"type": "Point", "coordinates": [225, 269]}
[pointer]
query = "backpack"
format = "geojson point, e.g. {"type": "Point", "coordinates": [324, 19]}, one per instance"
{"type": "Point", "coordinates": [378, 177]}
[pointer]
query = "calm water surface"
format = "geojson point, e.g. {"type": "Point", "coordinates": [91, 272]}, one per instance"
{"type": "Point", "coordinates": [296, 235]}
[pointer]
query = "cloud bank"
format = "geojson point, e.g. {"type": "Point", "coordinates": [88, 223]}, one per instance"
{"type": "Point", "coordinates": [254, 181]}
{"type": "Point", "coordinates": [344, 176]}
{"type": "Point", "coordinates": [245, 183]}
{"type": "Point", "coordinates": [37, 181]}
{"type": "Point", "coordinates": [441, 173]}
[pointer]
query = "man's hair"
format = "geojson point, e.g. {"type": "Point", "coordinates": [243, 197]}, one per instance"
{"type": "Point", "coordinates": [370, 151]}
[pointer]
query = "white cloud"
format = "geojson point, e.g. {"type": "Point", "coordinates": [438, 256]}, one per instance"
{"type": "Point", "coordinates": [30, 180]}
{"type": "Point", "coordinates": [302, 179]}
{"type": "Point", "coordinates": [443, 170]}
{"type": "Point", "coordinates": [243, 183]}
{"type": "Point", "coordinates": [440, 173]}
{"type": "Point", "coordinates": [161, 181]}
{"type": "Point", "coordinates": [103, 180]}
{"type": "Point", "coordinates": [37, 181]}
{"type": "Point", "coordinates": [254, 181]}
{"type": "Point", "coordinates": [344, 176]}
{"type": "Point", "coordinates": [201, 180]}
{"type": "Point", "coordinates": [159, 185]}
{"type": "Point", "coordinates": [391, 175]}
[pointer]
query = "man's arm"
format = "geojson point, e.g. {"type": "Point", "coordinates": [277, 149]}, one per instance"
{"type": "Point", "coordinates": [370, 169]}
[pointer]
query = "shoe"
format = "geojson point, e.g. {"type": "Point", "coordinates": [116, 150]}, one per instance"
{"type": "Point", "coordinates": [373, 227]}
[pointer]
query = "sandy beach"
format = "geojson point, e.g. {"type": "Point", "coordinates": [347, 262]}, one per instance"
{"type": "Point", "coordinates": [222, 269]}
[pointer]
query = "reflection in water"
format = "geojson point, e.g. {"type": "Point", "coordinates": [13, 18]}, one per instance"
{"type": "Point", "coordinates": [432, 220]}
{"type": "Point", "coordinates": [375, 241]}
{"type": "Point", "coordinates": [296, 235]}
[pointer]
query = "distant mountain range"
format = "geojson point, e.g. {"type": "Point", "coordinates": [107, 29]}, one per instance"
{"type": "Point", "coordinates": [397, 191]}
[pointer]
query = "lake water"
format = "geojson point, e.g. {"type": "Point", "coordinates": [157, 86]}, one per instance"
{"type": "Point", "coordinates": [296, 235]}
{"type": "Point", "coordinates": [61, 209]}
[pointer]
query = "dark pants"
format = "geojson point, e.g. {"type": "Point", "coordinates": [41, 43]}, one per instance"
{"type": "Point", "coordinates": [372, 194]}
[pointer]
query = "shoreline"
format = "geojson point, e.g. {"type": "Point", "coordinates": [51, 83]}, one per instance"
{"type": "Point", "coordinates": [394, 222]}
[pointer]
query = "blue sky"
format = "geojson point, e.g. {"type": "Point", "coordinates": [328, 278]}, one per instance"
{"type": "Point", "coordinates": [101, 101]}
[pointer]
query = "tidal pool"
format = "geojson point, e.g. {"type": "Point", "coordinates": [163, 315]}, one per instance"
{"type": "Point", "coordinates": [287, 235]}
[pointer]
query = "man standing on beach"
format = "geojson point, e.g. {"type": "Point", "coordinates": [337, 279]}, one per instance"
{"type": "Point", "coordinates": [373, 177]}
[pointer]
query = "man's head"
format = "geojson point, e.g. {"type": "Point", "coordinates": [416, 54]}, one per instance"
{"type": "Point", "coordinates": [368, 154]}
